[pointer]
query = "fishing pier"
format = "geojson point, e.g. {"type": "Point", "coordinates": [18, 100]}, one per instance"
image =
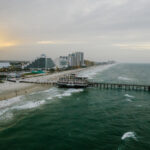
{"type": "Point", "coordinates": [72, 81]}
{"type": "Point", "coordinates": [102, 85]}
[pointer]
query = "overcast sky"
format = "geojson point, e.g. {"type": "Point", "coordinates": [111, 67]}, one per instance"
{"type": "Point", "coordinates": [103, 29]}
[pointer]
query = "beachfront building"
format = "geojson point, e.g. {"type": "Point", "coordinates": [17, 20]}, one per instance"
{"type": "Point", "coordinates": [76, 59]}
{"type": "Point", "coordinates": [71, 60]}
{"type": "Point", "coordinates": [41, 63]}
{"type": "Point", "coordinates": [61, 62]}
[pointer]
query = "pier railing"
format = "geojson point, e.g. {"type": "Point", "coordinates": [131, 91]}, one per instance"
{"type": "Point", "coordinates": [119, 86]}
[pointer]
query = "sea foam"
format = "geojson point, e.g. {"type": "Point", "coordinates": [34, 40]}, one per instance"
{"type": "Point", "coordinates": [18, 103]}
{"type": "Point", "coordinates": [129, 135]}
{"type": "Point", "coordinates": [91, 72]}
{"type": "Point", "coordinates": [69, 92]}
{"type": "Point", "coordinates": [129, 100]}
{"type": "Point", "coordinates": [29, 105]}
{"type": "Point", "coordinates": [130, 96]}
{"type": "Point", "coordinates": [9, 102]}
{"type": "Point", "coordinates": [6, 107]}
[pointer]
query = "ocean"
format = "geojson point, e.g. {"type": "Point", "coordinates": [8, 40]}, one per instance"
{"type": "Point", "coordinates": [81, 119]}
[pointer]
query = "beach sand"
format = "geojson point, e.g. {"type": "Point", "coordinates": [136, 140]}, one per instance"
{"type": "Point", "coordinates": [13, 89]}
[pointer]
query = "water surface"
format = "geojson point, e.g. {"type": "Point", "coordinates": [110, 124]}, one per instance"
{"type": "Point", "coordinates": [77, 119]}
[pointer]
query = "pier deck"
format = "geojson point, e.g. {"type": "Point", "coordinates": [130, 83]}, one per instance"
{"type": "Point", "coordinates": [104, 85]}
{"type": "Point", "coordinates": [101, 85]}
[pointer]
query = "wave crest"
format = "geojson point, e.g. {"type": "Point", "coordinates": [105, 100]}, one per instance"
{"type": "Point", "coordinates": [130, 96]}
{"type": "Point", "coordinates": [29, 105]}
{"type": "Point", "coordinates": [129, 135]}
{"type": "Point", "coordinates": [69, 92]}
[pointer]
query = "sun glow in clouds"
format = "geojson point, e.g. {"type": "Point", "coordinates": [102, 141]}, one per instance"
{"type": "Point", "coordinates": [59, 42]}
{"type": "Point", "coordinates": [7, 39]}
{"type": "Point", "coordinates": [7, 44]}
{"type": "Point", "coordinates": [46, 42]}
{"type": "Point", "coordinates": [53, 42]}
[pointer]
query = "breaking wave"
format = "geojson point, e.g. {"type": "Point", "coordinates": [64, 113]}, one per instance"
{"type": "Point", "coordinates": [91, 72]}
{"type": "Point", "coordinates": [36, 99]}
{"type": "Point", "coordinates": [45, 91]}
{"type": "Point", "coordinates": [8, 102]}
{"type": "Point", "coordinates": [7, 107]}
{"type": "Point", "coordinates": [129, 96]}
{"type": "Point", "coordinates": [129, 135]}
{"type": "Point", "coordinates": [69, 92]}
{"type": "Point", "coordinates": [7, 111]}
{"type": "Point", "coordinates": [29, 105]}
{"type": "Point", "coordinates": [129, 100]}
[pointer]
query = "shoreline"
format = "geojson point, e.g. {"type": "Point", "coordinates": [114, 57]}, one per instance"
{"type": "Point", "coordinates": [9, 90]}
{"type": "Point", "coordinates": [13, 89]}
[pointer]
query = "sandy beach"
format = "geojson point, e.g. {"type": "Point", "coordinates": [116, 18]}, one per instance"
{"type": "Point", "coordinates": [13, 89]}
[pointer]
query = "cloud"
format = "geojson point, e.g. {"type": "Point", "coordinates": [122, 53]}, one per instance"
{"type": "Point", "coordinates": [89, 25]}
{"type": "Point", "coordinates": [59, 42]}
{"type": "Point", "coordinates": [134, 46]}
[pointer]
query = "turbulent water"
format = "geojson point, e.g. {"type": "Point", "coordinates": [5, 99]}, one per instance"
{"type": "Point", "coordinates": [77, 119]}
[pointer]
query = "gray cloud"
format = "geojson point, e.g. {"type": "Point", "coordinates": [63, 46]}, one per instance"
{"type": "Point", "coordinates": [100, 28]}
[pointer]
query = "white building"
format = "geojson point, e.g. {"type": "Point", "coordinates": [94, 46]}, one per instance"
{"type": "Point", "coordinates": [61, 62]}
{"type": "Point", "coordinates": [76, 59]}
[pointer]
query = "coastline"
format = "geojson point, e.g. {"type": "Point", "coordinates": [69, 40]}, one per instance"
{"type": "Point", "coordinates": [10, 89]}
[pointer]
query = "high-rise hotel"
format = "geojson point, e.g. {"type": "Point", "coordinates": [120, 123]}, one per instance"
{"type": "Point", "coordinates": [76, 59]}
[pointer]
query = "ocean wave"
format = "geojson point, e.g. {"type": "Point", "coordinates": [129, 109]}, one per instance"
{"type": "Point", "coordinates": [129, 135]}
{"type": "Point", "coordinates": [29, 105]}
{"type": "Point", "coordinates": [129, 100]}
{"type": "Point", "coordinates": [69, 92]}
{"type": "Point", "coordinates": [7, 107]}
{"type": "Point", "coordinates": [91, 72]}
{"type": "Point", "coordinates": [35, 93]}
{"type": "Point", "coordinates": [49, 90]}
{"type": "Point", "coordinates": [3, 111]}
{"type": "Point", "coordinates": [45, 91]}
{"type": "Point", "coordinates": [7, 116]}
{"type": "Point", "coordinates": [125, 78]}
{"type": "Point", "coordinates": [129, 96]}
{"type": "Point", "coordinates": [11, 101]}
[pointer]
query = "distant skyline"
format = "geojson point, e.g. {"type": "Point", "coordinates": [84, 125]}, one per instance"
{"type": "Point", "coordinates": [102, 29]}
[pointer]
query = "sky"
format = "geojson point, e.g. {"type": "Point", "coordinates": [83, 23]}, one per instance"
{"type": "Point", "coordinates": [102, 29]}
